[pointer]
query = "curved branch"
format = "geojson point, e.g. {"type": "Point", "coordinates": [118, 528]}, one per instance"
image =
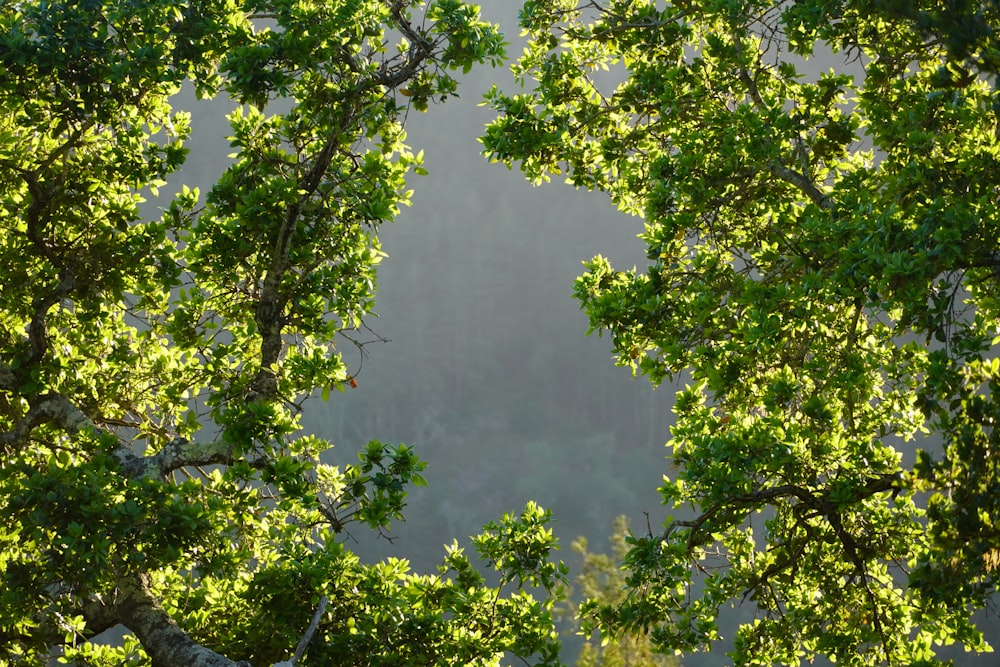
{"type": "Point", "coordinates": [790, 176]}
{"type": "Point", "coordinates": [817, 505]}
{"type": "Point", "coordinates": [419, 51]}
{"type": "Point", "coordinates": [162, 639]}
{"type": "Point", "coordinates": [48, 408]}
{"type": "Point", "coordinates": [269, 315]}
{"type": "Point", "coordinates": [38, 328]}
{"type": "Point", "coordinates": [818, 502]}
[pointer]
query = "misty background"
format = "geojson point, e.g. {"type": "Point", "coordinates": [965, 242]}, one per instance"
{"type": "Point", "coordinates": [485, 368]}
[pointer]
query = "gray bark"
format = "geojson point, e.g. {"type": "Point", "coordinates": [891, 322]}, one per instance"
{"type": "Point", "coordinates": [166, 644]}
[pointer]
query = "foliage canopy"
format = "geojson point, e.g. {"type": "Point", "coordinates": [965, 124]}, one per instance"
{"type": "Point", "coordinates": [152, 371]}
{"type": "Point", "coordinates": [823, 259]}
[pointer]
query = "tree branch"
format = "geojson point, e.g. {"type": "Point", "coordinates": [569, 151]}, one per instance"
{"type": "Point", "coordinates": [98, 616]}
{"type": "Point", "coordinates": [48, 408]}
{"type": "Point", "coordinates": [180, 453]}
{"type": "Point", "coordinates": [790, 176]}
{"type": "Point", "coordinates": [54, 408]}
{"type": "Point", "coordinates": [419, 50]}
{"type": "Point", "coordinates": [819, 502]}
{"type": "Point", "coordinates": [163, 640]}
{"type": "Point", "coordinates": [307, 637]}
{"type": "Point", "coordinates": [800, 181]}
{"type": "Point", "coordinates": [269, 314]}
{"type": "Point", "coordinates": [8, 378]}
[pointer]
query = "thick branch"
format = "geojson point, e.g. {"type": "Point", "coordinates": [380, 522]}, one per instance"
{"type": "Point", "coordinates": [8, 378]}
{"type": "Point", "coordinates": [99, 617]}
{"type": "Point", "coordinates": [163, 640]}
{"type": "Point", "coordinates": [37, 329]}
{"type": "Point", "coordinates": [800, 181]}
{"type": "Point", "coordinates": [50, 408]}
{"type": "Point", "coordinates": [179, 453]}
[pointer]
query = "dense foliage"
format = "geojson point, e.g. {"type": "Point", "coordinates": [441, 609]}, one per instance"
{"type": "Point", "coordinates": [823, 264]}
{"type": "Point", "coordinates": [153, 473]}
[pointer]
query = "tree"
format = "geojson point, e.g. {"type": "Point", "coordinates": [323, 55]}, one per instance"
{"type": "Point", "coordinates": [152, 371]}
{"type": "Point", "coordinates": [601, 579]}
{"type": "Point", "coordinates": [823, 261]}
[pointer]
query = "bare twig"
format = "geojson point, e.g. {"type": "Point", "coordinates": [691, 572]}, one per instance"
{"type": "Point", "coordinates": [307, 637]}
